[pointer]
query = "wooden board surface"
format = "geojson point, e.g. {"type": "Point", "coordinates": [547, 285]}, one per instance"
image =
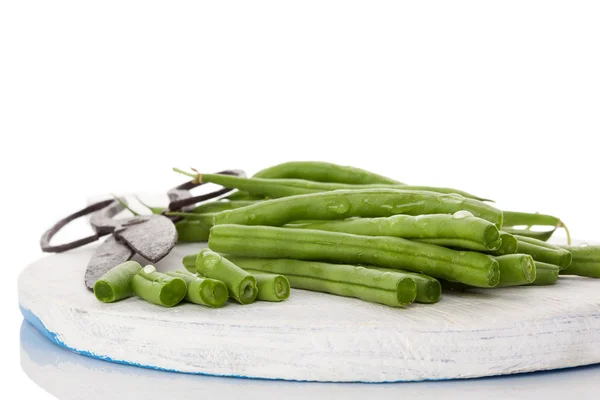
{"type": "Point", "coordinates": [320, 337]}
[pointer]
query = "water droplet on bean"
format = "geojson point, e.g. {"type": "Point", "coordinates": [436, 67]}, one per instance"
{"type": "Point", "coordinates": [584, 244]}
{"type": "Point", "coordinates": [462, 214]}
{"type": "Point", "coordinates": [340, 206]}
{"type": "Point", "coordinates": [451, 198]}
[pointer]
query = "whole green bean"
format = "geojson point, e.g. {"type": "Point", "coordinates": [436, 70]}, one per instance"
{"type": "Point", "coordinates": [539, 235]}
{"type": "Point", "coordinates": [116, 284]}
{"type": "Point", "coordinates": [395, 290]}
{"type": "Point", "coordinates": [221, 205]}
{"type": "Point", "coordinates": [586, 261]}
{"type": "Point", "coordinates": [204, 291]}
{"type": "Point", "coordinates": [271, 287]}
{"type": "Point", "coordinates": [429, 289]}
{"type": "Point", "coordinates": [340, 204]}
{"type": "Point", "coordinates": [241, 284]}
{"type": "Point", "coordinates": [273, 188]}
{"type": "Point", "coordinates": [516, 269]}
{"type": "Point", "coordinates": [158, 288]}
{"type": "Point", "coordinates": [460, 230]}
{"type": "Point", "coordinates": [514, 218]}
{"type": "Point", "coordinates": [322, 172]}
{"type": "Point", "coordinates": [544, 252]}
{"type": "Point", "coordinates": [192, 231]}
{"type": "Point", "coordinates": [546, 274]}
{"type": "Point", "coordinates": [383, 251]}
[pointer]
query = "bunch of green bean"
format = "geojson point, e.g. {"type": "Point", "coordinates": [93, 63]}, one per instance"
{"type": "Point", "coordinates": [354, 233]}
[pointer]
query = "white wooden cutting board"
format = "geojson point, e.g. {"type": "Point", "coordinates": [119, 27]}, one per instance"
{"type": "Point", "coordinates": [320, 337]}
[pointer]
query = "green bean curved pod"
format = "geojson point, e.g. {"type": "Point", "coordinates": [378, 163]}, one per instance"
{"type": "Point", "coordinates": [429, 289]}
{"type": "Point", "coordinates": [544, 252]}
{"type": "Point", "coordinates": [439, 229]}
{"type": "Point", "coordinates": [322, 172]}
{"type": "Point", "coordinates": [341, 204]}
{"type": "Point", "coordinates": [539, 235]}
{"type": "Point", "coordinates": [158, 288]}
{"type": "Point", "coordinates": [586, 261]}
{"type": "Point", "coordinates": [204, 291]}
{"type": "Point", "coordinates": [508, 245]}
{"type": "Point", "coordinates": [221, 205]}
{"type": "Point", "coordinates": [516, 269]}
{"type": "Point", "coordinates": [241, 284]}
{"type": "Point", "coordinates": [271, 287]}
{"type": "Point", "coordinates": [192, 231]}
{"type": "Point", "coordinates": [514, 218]}
{"type": "Point", "coordinates": [392, 289]}
{"type": "Point", "coordinates": [546, 274]}
{"type": "Point", "coordinates": [383, 251]}
{"type": "Point", "coordinates": [116, 284]}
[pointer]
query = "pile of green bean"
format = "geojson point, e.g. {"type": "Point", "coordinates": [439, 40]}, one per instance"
{"type": "Point", "coordinates": [349, 232]}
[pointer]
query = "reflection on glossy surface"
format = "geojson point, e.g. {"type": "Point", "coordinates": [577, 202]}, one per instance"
{"type": "Point", "coordinates": [69, 376]}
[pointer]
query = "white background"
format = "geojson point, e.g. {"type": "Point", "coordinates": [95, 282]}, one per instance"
{"type": "Point", "coordinates": [501, 99]}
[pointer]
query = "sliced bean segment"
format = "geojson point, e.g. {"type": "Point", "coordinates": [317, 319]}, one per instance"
{"type": "Point", "coordinates": [205, 291]}
{"type": "Point", "coordinates": [508, 245]}
{"type": "Point", "coordinates": [341, 204]}
{"type": "Point", "coordinates": [546, 274]}
{"type": "Point", "coordinates": [241, 284]}
{"type": "Point", "coordinates": [159, 288]}
{"type": "Point", "coordinates": [322, 172]}
{"type": "Point", "coordinates": [544, 252]}
{"type": "Point", "coordinates": [303, 244]}
{"type": "Point", "coordinates": [116, 284]}
{"type": "Point", "coordinates": [392, 289]}
{"type": "Point", "coordinates": [516, 269]}
{"type": "Point", "coordinates": [458, 230]}
{"type": "Point", "coordinates": [586, 261]}
{"type": "Point", "coordinates": [271, 287]}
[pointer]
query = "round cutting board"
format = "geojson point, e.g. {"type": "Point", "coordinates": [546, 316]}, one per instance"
{"type": "Point", "coordinates": [316, 336]}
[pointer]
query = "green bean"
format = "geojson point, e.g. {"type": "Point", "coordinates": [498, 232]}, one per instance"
{"type": "Point", "coordinates": [586, 261]}
{"type": "Point", "coordinates": [395, 290]}
{"type": "Point", "coordinates": [204, 291]}
{"type": "Point", "coordinates": [189, 262]}
{"type": "Point", "coordinates": [546, 274]}
{"type": "Point", "coordinates": [116, 284]}
{"type": "Point", "coordinates": [514, 218]}
{"type": "Point", "coordinates": [460, 230]}
{"type": "Point", "coordinates": [221, 205]}
{"type": "Point", "coordinates": [516, 269]}
{"type": "Point", "coordinates": [274, 188]}
{"type": "Point", "coordinates": [241, 284]}
{"type": "Point", "coordinates": [322, 172]}
{"type": "Point", "coordinates": [544, 252]}
{"type": "Point", "coordinates": [383, 251]}
{"type": "Point", "coordinates": [192, 231]}
{"type": "Point", "coordinates": [340, 204]}
{"type": "Point", "coordinates": [158, 288]}
{"type": "Point", "coordinates": [539, 235]}
{"type": "Point", "coordinates": [271, 287]}
{"type": "Point", "coordinates": [429, 289]}
{"type": "Point", "coordinates": [508, 245]}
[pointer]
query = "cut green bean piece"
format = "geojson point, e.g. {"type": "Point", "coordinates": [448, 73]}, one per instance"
{"type": "Point", "coordinates": [192, 231]}
{"type": "Point", "coordinates": [271, 287]}
{"type": "Point", "coordinates": [341, 204]}
{"type": "Point", "coordinates": [204, 291]}
{"type": "Point", "coordinates": [508, 245]}
{"type": "Point", "coordinates": [586, 260]}
{"type": "Point", "coordinates": [322, 172]}
{"type": "Point", "coordinates": [241, 284]}
{"type": "Point", "coordinates": [516, 269]}
{"type": "Point", "coordinates": [303, 244]}
{"type": "Point", "coordinates": [546, 274]}
{"type": "Point", "coordinates": [460, 230]}
{"type": "Point", "coordinates": [544, 252]}
{"type": "Point", "coordinates": [395, 290]}
{"type": "Point", "coordinates": [159, 288]}
{"type": "Point", "coordinates": [429, 289]}
{"type": "Point", "coordinates": [116, 284]}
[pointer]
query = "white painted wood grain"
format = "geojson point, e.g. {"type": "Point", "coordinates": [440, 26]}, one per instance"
{"type": "Point", "coordinates": [320, 337]}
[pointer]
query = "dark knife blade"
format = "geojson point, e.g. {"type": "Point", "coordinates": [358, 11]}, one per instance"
{"type": "Point", "coordinates": [110, 254]}
{"type": "Point", "coordinates": [153, 238]}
